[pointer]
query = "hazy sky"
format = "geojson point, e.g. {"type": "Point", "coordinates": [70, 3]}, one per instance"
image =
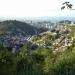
{"type": "Point", "coordinates": [34, 8]}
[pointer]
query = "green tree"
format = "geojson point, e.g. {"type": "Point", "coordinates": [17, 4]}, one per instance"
{"type": "Point", "coordinates": [7, 63]}
{"type": "Point", "coordinates": [42, 61]}
{"type": "Point", "coordinates": [24, 63]}
{"type": "Point", "coordinates": [65, 64]}
{"type": "Point", "coordinates": [67, 5]}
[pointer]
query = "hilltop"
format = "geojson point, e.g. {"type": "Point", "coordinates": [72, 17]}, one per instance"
{"type": "Point", "coordinates": [17, 27]}
{"type": "Point", "coordinates": [57, 39]}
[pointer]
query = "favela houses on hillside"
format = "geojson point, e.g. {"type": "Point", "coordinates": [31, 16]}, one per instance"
{"type": "Point", "coordinates": [37, 37]}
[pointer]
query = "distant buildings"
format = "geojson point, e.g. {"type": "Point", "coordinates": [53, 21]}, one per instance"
{"type": "Point", "coordinates": [13, 42]}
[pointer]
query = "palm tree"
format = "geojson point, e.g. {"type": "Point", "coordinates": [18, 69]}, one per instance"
{"type": "Point", "coordinates": [68, 5]}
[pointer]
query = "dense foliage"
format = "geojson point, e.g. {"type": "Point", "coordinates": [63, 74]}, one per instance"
{"type": "Point", "coordinates": [41, 61]}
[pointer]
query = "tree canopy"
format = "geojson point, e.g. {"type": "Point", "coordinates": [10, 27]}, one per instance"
{"type": "Point", "coordinates": [67, 5]}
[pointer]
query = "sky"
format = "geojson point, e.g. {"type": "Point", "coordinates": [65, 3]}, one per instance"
{"type": "Point", "coordinates": [34, 8]}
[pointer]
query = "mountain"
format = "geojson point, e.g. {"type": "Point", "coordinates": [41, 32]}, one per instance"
{"type": "Point", "coordinates": [16, 27]}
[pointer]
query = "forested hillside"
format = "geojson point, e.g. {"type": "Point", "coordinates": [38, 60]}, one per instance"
{"type": "Point", "coordinates": [41, 60]}
{"type": "Point", "coordinates": [17, 27]}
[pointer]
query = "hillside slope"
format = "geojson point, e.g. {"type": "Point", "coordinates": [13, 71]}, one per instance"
{"type": "Point", "coordinates": [17, 27]}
